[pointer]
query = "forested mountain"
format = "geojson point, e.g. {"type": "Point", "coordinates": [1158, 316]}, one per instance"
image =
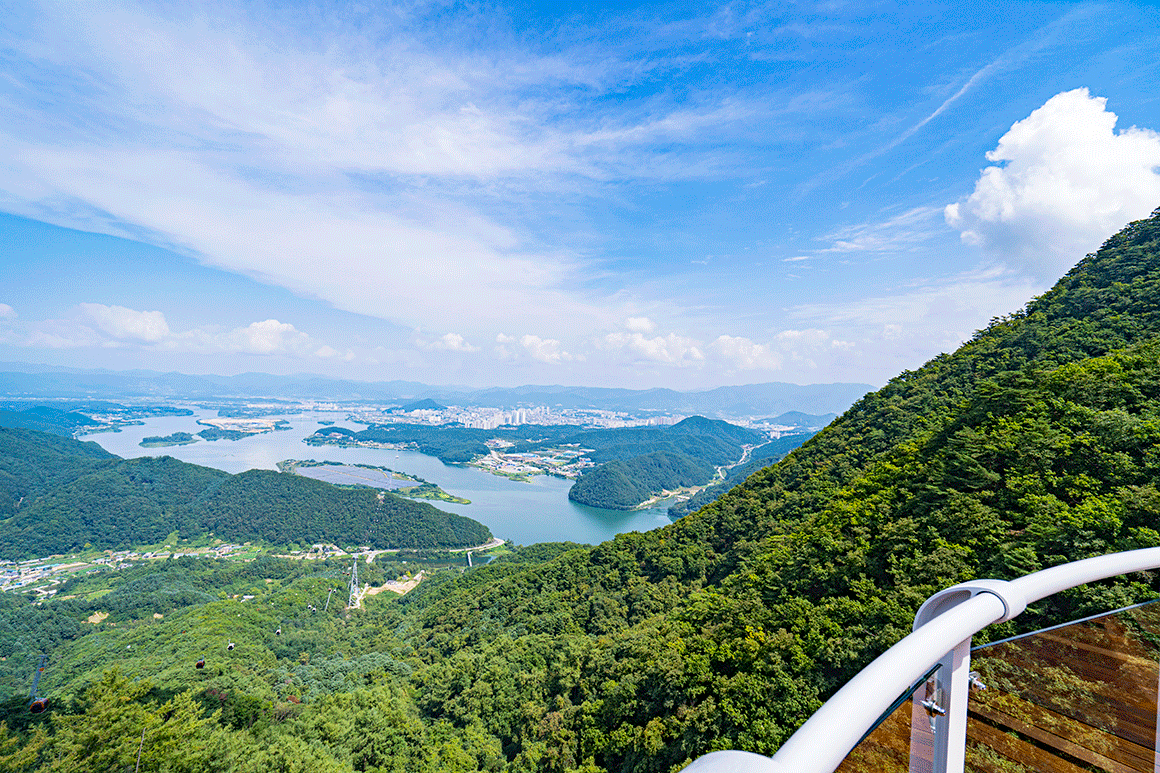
{"type": "Point", "coordinates": [21, 379]}
{"type": "Point", "coordinates": [46, 419]}
{"type": "Point", "coordinates": [57, 495]}
{"type": "Point", "coordinates": [759, 459]}
{"type": "Point", "coordinates": [1035, 443]}
{"type": "Point", "coordinates": [624, 484]}
{"type": "Point", "coordinates": [635, 463]}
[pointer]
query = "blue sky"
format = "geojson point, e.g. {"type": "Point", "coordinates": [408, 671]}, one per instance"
{"type": "Point", "coordinates": [619, 194]}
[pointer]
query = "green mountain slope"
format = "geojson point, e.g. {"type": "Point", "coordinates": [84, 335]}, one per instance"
{"type": "Point", "coordinates": [637, 462]}
{"type": "Point", "coordinates": [1033, 444]}
{"type": "Point", "coordinates": [284, 508]}
{"type": "Point", "coordinates": [761, 458]}
{"type": "Point", "coordinates": [620, 485]}
{"type": "Point", "coordinates": [32, 463]}
{"type": "Point", "coordinates": [58, 494]}
{"type": "Point", "coordinates": [45, 419]}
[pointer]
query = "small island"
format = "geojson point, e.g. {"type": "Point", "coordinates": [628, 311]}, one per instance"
{"type": "Point", "coordinates": [341, 474]}
{"type": "Point", "coordinates": [176, 439]}
{"type": "Point", "coordinates": [230, 428]}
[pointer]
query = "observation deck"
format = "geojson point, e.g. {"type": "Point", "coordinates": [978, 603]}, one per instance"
{"type": "Point", "coordinates": [1072, 698]}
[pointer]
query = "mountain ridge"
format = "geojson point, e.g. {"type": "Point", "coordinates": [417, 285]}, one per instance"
{"type": "Point", "coordinates": [752, 399]}
{"type": "Point", "coordinates": [58, 494]}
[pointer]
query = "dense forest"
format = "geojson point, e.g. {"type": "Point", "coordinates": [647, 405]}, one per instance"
{"type": "Point", "coordinates": [58, 495]}
{"type": "Point", "coordinates": [1037, 442]}
{"type": "Point", "coordinates": [451, 444]}
{"type": "Point", "coordinates": [635, 463]}
{"type": "Point", "coordinates": [45, 419]}
{"type": "Point", "coordinates": [70, 417]}
{"type": "Point", "coordinates": [621, 485]}
{"type": "Point", "coordinates": [759, 459]}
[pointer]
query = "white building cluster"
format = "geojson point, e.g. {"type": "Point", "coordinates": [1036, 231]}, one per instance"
{"type": "Point", "coordinates": [490, 418]}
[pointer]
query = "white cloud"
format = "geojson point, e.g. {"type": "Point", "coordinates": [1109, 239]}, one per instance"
{"type": "Point", "coordinates": [1064, 181]}
{"type": "Point", "coordinates": [449, 342]}
{"type": "Point", "coordinates": [268, 337]}
{"type": "Point", "coordinates": [639, 324]}
{"type": "Point", "coordinates": [96, 324]}
{"type": "Point", "coordinates": [7, 312]}
{"type": "Point", "coordinates": [670, 350]}
{"type": "Point", "coordinates": [376, 173]}
{"type": "Point", "coordinates": [122, 323]}
{"type": "Point", "coordinates": [744, 354]}
{"type": "Point", "coordinates": [56, 334]}
{"type": "Point", "coordinates": [544, 349]}
{"type": "Point", "coordinates": [903, 232]}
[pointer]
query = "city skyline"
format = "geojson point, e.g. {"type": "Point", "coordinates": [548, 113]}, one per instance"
{"type": "Point", "coordinates": [632, 194]}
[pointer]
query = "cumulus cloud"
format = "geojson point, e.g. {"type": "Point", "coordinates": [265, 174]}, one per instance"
{"type": "Point", "coordinates": [544, 349]}
{"type": "Point", "coordinates": [127, 324]}
{"type": "Point", "coordinates": [729, 353]}
{"type": "Point", "coordinates": [1063, 181]}
{"type": "Point", "coordinates": [7, 312]}
{"type": "Point", "coordinates": [98, 325]}
{"type": "Point", "coordinates": [670, 350]}
{"type": "Point", "coordinates": [449, 342]}
{"type": "Point", "coordinates": [744, 354]}
{"type": "Point", "coordinates": [268, 337]}
{"type": "Point", "coordinates": [639, 324]}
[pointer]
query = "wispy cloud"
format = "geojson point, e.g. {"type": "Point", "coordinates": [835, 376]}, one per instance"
{"type": "Point", "coordinates": [1011, 59]}
{"type": "Point", "coordinates": [906, 231]}
{"type": "Point", "coordinates": [375, 176]}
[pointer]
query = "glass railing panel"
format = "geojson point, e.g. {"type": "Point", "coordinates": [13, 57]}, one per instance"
{"type": "Point", "coordinates": [1079, 697]}
{"type": "Point", "coordinates": [886, 748]}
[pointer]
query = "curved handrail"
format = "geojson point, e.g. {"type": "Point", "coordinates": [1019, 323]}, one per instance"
{"type": "Point", "coordinates": [825, 739]}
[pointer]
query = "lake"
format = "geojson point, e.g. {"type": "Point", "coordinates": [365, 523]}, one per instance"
{"type": "Point", "coordinates": [524, 513]}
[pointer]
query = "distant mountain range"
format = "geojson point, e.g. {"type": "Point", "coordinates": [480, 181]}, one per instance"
{"type": "Point", "coordinates": [22, 380]}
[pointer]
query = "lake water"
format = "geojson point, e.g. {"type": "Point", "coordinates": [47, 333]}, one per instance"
{"type": "Point", "coordinates": [524, 513]}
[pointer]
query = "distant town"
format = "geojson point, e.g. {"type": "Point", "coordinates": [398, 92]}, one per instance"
{"type": "Point", "coordinates": [490, 418]}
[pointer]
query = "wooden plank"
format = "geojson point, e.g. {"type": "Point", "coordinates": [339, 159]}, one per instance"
{"type": "Point", "coordinates": [1017, 750]}
{"type": "Point", "coordinates": [1065, 745]}
{"type": "Point", "coordinates": [1114, 745]}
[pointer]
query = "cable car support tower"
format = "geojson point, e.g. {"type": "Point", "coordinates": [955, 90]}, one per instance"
{"type": "Point", "coordinates": [355, 593]}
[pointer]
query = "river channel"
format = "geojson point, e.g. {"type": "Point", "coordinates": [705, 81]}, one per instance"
{"type": "Point", "coordinates": [524, 513]}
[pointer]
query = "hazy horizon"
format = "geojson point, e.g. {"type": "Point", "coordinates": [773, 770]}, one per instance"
{"type": "Point", "coordinates": [629, 195]}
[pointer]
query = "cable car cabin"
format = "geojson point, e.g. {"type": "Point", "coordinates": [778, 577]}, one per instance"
{"type": "Point", "coordinates": [200, 663]}
{"type": "Point", "coordinates": [38, 706]}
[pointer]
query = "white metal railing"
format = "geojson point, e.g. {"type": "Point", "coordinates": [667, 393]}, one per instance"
{"type": "Point", "coordinates": [943, 627]}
